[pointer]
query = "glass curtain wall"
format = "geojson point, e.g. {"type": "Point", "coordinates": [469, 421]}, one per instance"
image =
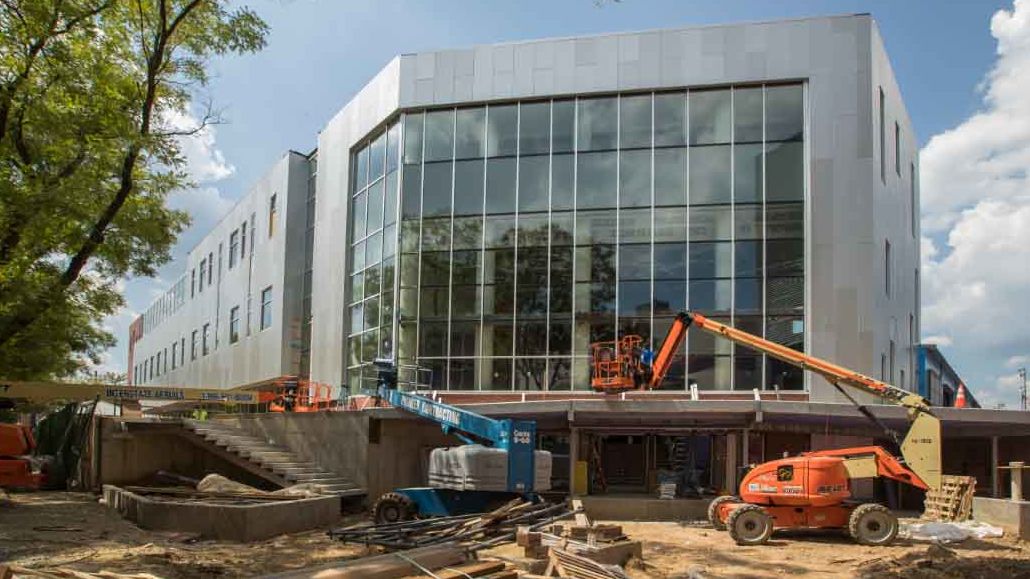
{"type": "Point", "coordinates": [529, 230]}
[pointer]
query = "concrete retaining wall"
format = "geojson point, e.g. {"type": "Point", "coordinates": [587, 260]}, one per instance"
{"type": "Point", "coordinates": [251, 522]}
{"type": "Point", "coordinates": [379, 455]}
{"type": "Point", "coordinates": [1010, 515]}
{"type": "Point", "coordinates": [133, 455]}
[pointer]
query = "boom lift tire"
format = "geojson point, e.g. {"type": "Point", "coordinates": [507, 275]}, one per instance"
{"type": "Point", "coordinates": [713, 510]}
{"type": "Point", "coordinates": [393, 508]}
{"type": "Point", "coordinates": [873, 524]}
{"type": "Point", "coordinates": [750, 525]}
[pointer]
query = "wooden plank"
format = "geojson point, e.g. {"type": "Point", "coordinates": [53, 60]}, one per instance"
{"type": "Point", "coordinates": [581, 518]}
{"type": "Point", "coordinates": [389, 566]}
{"type": "Point", "coordinates": [466, 570]}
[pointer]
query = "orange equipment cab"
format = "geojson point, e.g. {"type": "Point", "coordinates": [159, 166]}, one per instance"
{"type": "Point", "coordinates": [813, 489]}
{"type": "Point", "coordinates": [16, 470]}
{"type": "Point", "coordinates": [290, 394]}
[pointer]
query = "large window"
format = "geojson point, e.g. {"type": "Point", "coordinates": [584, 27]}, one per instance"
{"type": "Point", "coordinates": [266, 308]}
{"type": "Point", "coordinates": [205, 339]}
{"type": "Point", "coordinates": [234, 246]}
{"type": "Point", "coordinates": [502, 240]}
{"type": "Point", "coordinates": [234, 325]}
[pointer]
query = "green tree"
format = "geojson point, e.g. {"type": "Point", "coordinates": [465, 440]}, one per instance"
{"type": "Point", "coordinates": [88, 156]}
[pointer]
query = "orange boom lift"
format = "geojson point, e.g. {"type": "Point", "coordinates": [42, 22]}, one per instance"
{"type": "Point", "coordinates": [812, 490]}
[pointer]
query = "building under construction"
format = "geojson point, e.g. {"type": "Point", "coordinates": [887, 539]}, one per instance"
{"type": "Point", "coordinates": [482, 216]}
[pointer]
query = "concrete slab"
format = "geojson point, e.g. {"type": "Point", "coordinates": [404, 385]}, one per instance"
{"type": "Point", "coordinates": [1013, 516]}
{"type": "Point", "coordinates": [246, 522]}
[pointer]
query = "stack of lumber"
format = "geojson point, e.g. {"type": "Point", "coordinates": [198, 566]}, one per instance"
{"type": "Point", "coordinates": [567, 564]}
{"type": "Point", "coordinates": [447, 561]}
{"type": "Point", "coordinates": [617, 550]}
{"type": "Point", "coordinates": [667, 490]}
{"type": "Point", "coordinates": [479, 530]}
{"type": "Point", "coordinates": [16, 572]}
{"type": "Point", "coordinates": [953, 501]}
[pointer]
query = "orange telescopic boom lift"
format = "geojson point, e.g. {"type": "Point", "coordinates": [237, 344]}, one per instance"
{"type": "Point", "coordinates": [811, 490]}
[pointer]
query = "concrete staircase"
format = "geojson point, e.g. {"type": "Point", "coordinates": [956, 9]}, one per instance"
{"type": "Point", "coordinates": [272, 462]}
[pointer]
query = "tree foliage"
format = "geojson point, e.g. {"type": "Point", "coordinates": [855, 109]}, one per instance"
{"type": "Point", "coordinates": [88, 156]}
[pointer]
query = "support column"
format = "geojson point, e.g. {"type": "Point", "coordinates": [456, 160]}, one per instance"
{"type": "Point", "coordinates": [995, 479]}
{"type": "Point", "coordinates": [732, 459]}
{"type": "Point", "coordinates": [1016, 476]}
{"type": "Point", "coordinates": [746, 447]}
{"type": "Point", "coordinates": [573, 458]}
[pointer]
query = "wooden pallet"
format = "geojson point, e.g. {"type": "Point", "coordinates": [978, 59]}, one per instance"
{"type": "Point", "coordinates": [953, 501]}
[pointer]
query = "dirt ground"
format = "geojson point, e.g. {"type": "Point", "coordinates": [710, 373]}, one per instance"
{"type": "Point", "coordinates": [60, 529]}
{"type": "Point", "coordinates": [73, 530]}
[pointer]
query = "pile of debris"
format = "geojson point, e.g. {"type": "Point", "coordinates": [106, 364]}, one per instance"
{"type": "Point", "coordinates": [444, 561]}
{"type": "Point", "coordinates": [477, 531]}
{"type": "Point", "coordinates": [583, 550]}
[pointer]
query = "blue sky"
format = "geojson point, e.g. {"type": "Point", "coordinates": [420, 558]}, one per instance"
{"type": "Point", "coordinates": [320, 52]}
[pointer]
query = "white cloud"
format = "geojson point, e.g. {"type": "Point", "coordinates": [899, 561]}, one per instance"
{"type": "Point", "coordinates": [940, 341]}
{"type": "Point", "coordinates": [205, 163]}
{"type": "Point", "coordinates": [206, 204]}
{"type": "Point", "coordinates": [976, 203]}
{"type": "Point", "coordinates": [1017, 361]}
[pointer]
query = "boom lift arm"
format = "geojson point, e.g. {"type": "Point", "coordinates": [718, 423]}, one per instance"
{"type": "Point", "coordinates": [921, 445]}
{"type": "Point", "coordinates": [517, 437]}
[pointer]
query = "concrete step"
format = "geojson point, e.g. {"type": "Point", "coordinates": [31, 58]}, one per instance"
{"type": "Point", "coordinates": [310, 476]}
{"type": "Point", "coordinates": [280, 467]}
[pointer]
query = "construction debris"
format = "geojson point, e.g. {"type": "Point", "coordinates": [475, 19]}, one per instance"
{"type": "Point", "coordinates": [444, 561]}
{"type": "Point", "coordinates": [17, 572]}
{"type": "Point", "coordinates": [953, 501]}
{"type": "Point", "coordinates": [567, 564]}
{"type": "Point", "coordinates": [477, 531]}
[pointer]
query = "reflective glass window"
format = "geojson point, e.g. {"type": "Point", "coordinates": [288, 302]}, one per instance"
{"type": "Point", "coordinates": [596, 180]}
{"type": "Point", "coordinates": [708, 260]}
{"type": "Point", "coordinates": [377, 157]}
{"type": "Point", "coordinates": [670, 297]}
{"type": "Point", "coordinates": [635, 121]}
{"type": "Point", "coordinates": [635, 261]}
{"type": "Point", "coordinates": [635, 178]}
{"type": "Point", "coordinates": [747, 173]}
{"type": "Point", "coordinates": [784, 113]}
{"type": "Point", "coordinates": [635, 226]}
{"type": "Point", "coordinates": [468, 187]}
{"type": "Point", "coordinates": [562, 182]}
{"type": "Point", "coordinates": [470, 129]}
{"type": "Point", "coordinates": [534, 128]}
{"type": "Point", "coordinates": [502, 130]}
{"type": "Point", "coordinates": [597, 127]}
{"type": "Point", "coordinates": [670, 176]}
{"type": "Point", "coordinates": [710, 116]}
{"type": "Point", "coordinates": [411, 192]}
{"type": "Point", "coordinates": [670, 224]}
{"type": "Point", "coordinates": [413, 125]}
{"type": "Point", "coordinates": [635, 298]}
{"type": "Point", "coordinates": [468, 232]}
{"type": "Point", "coordinates": [747, 258]}
{"type": "Point", "coordinates": [670, 261]}
{"type": "Point", "coordinates": [563, 126]}
{"type": "Point", "coordinates": [785, 172]}
{"type": "Point", "coordinates": [711, 295]}
{"type": "Point", "coordinates": [393, 147]}
{"type": "Point", "coordinates": [747, 115]}
{"type": "Point", "coordinates": [500, 185]}
{"type": "Point", "coordinates": [670, 119]}
{"type": "Point", "coordinates": [709, 175]}
{"type": "Point", "coordinates": [375, 206]}
{"type": "Point", "coordinates": [595, 227]}
{"type": "Point", "coordinates": [361, 169]}
{"type": "Point", "coordinates": [436, 189]}
{"type": "Point", "coordinates": [533, 183]}
{"type": "Point", "coordinates": [439, 135]}
{"type": "Point", "coordinates": [786, 257]}
{"type": "Point", "coordinates": [711, 223]}
{"type": "Point", "coordinates": [358, 216]}
{"type": "Point", "coordinates": [390, 199]}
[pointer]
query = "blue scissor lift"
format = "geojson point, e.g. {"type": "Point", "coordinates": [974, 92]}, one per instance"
{"type": "Point", "coordinates": [516, 437]}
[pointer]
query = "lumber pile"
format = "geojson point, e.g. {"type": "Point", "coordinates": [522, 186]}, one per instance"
{"type": "Point", "coordinates": [17, 572]}
{"type": "Point", "coordinates": [953, 501]}
{"type": "Point", "coordinates": [446, 561]}
{"type": "Point", "coordinates": [477, 531]}
{"type": "Point", "coordinates": [582, 549]}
